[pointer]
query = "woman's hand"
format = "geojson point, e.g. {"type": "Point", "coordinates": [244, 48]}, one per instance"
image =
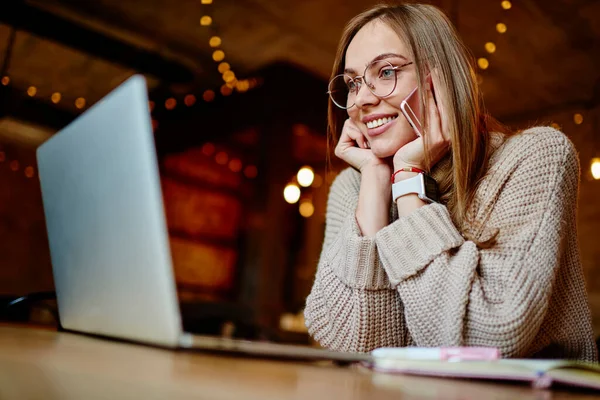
{"type": "Point", "coordinates": [354, 148]}
{"type": "Point", "coordinates": [413, 153]}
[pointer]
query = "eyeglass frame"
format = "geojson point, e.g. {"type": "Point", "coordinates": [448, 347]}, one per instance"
{"type": "Point", "coordinates": [360, 79]}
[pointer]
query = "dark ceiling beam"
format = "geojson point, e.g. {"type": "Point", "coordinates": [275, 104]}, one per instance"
{"type": "Point", "coordinates": [44, 24]}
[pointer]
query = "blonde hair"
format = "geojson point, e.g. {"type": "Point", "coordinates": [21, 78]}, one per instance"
{"type": "Point", "coordinates": [434, 43]}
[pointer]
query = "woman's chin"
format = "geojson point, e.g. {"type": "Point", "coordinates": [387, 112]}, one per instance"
{"type": "Point", "coordinates": [381, 151]}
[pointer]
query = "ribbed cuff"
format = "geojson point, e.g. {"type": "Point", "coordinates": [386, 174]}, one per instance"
{"type": "Point", "coordinates": [409, 244]}
{"type": "Point", "coordinates": [356, 261]}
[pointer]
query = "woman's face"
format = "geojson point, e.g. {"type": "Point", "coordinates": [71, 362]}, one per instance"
{"type": "Point", "coordinates": [378, 40]}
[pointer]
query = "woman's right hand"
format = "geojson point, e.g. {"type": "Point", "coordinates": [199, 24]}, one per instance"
{"type": "Point", "coordinates": [354, 148]}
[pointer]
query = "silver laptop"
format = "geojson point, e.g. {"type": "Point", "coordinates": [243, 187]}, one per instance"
{"type": "Point", "coordinates": [108, 236]}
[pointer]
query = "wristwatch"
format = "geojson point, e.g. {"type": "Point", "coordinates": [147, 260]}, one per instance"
{"type": "Point", "coordinates": [422, 185]}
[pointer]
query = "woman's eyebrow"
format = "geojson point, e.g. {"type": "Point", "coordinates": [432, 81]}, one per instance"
{"type": "Point", "coordinates": [387, 55]}
{"type": "Point", "coordinates": [378, 58]}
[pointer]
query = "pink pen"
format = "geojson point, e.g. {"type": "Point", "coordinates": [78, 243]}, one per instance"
{"type": "Point", "coordinates": [451, 354]}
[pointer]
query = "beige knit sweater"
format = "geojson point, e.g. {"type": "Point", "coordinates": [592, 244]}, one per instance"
{"type": "Point", "coordinates": [419, 282]}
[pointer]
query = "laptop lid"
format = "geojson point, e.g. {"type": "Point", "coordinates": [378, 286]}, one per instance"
{"type": "Point", "coordinates": [106, 226]}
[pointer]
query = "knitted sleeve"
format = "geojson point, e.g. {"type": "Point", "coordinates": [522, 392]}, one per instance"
{"type": "Point", "coordinates": [455, 294]}
{"type": "Point", "coordinates": [352, 306]}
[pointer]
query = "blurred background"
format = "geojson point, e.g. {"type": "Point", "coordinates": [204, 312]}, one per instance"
{"type": "Point", "coordinates": [238, 100]}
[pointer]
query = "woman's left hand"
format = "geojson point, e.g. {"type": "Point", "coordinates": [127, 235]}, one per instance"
{"type": "Point", "coordinates": [412, 154]}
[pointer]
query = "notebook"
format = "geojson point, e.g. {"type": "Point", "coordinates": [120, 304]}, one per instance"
{"type": "Point", "coordinates": [540, 373]}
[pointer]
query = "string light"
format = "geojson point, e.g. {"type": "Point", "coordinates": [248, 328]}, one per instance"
{"type": "Point", "coordinates": [170, 103]}
{"type": "Point", "coordinates": [221, 158]}
{"type": "Point", "coordinates": [208, 149]}
{"type": "Point", "coordinates": [5, 80]}
{"type": "Point", "coordinates": [55, 97]}
{"type": "Point", "coordinates": [31, 91]}
{"type": "Point", "coordinates": [242, 86]}
{"type": "Point", "coordinates": [291, 193]}
{"type": "Point", "coordinates": [228, 76]}
{"type": "Point", "coordinates": [29, 172]}
{"type": "Point", "coordinates": [189, 100]}
{"type": "Point", "coordinates": [14, 165]}
{"type": "Point", "coordinates": [214, 41]}
{"type": "Point", "coordinates": [483, 63]}
{"type": "Point", "coordinates": [490, 47]}
{"type": "Point", "coordinates": [506, 4]}
{"type": "Point", "coordinates": [208, 96]}
{"type": "Point", "coordinates": [305, 176]}
{"type": "Point", "coordinates": [306, 209]}
{"type": "Point", "coordinates": [224, 67]}
{"type": "Point", "coordinates": [578, 119]}
{"type": "Point", "coordinates": [235, 165]}
{"type": "Point", "coordinates": [251, 171]}
{"type": "Point", "coordinates": [501, 28]}
{"type": "Point", "coordinates": [226, 90]}
{"type": "Point", "coordinates": [80, 103]}
{"type": "Point", "coordinates": [218, 55]}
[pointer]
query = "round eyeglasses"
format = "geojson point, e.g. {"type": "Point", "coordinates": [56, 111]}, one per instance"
{"type": "Point", "coordinates": [380, 77]}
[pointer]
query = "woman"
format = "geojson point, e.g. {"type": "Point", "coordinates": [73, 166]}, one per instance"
{"type": "Point", "coordinates": [493, 260]}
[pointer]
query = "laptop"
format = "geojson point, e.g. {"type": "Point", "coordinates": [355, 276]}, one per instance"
{"type": "Point", "coordinates": [108, 236]}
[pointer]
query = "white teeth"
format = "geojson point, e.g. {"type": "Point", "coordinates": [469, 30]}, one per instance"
{"type": "Point", "coordinates": [379, 122]}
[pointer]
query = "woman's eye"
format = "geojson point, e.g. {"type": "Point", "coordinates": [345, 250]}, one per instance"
{"type": "Point", "coordinates": [387, 73]}
{"type": "Point", "coordinates": [351, 86]}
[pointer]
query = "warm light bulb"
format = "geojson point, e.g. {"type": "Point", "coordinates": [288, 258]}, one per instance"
{"type": "Point", "coordinates": [242, 86]}
{"type": "Point", "coordinates": [218, 55]}
{"type": "Point", "coordinates": [56, 97]}
{"type": "Point", "coordinates": [235, 165]}
{"type": "Point", "coordinates": [205, 20]}
{"type": "Point", "coordinates": [214, 41]}
{"type": "Point", "coordinates": [226, 90]}
{"type": "Point", "coordinates": [208, 95]}
{"type": "Point", "coordinates": [483, 63]}
{"type": "Point", "coordinates": [224, 67]}
{"type": "Point", "coordinates": [31, 91]}
{"type": "Point", "coordinates": [306, 209]}
{"type": "Point", "coordinates": [500, 27]}
{"type": "Point", "coordinates": [228, 76]}
{"type": "Point", "coordinates": [207, 1]}
{"type": "Point", "coordinates": [506, 4]}
{"type": "Point", "coordinates": [251, 171]}
{"type": "Point", "coordinates": [578, 119]}
{"type": "Point", "coordinates": [305, 176]}
{"type": "Point", "coordinates": [189, 100]}
{"type": "Point", "coordinates": [80, 103]}
{"type": "Point", "coordinates": [5, 80]}
{"type": "Point", "coordinates": [29, 172]}
{"type": "Point", "coordinates": [221, 158]}
{"type": "Point", "coordinates": [208, 149]}
{"type": "Point", "coordinates": [490, 47]}
{"type": "Point", "coordinates": [596, 168]}
{"type": "Point", "coordinates": [291, 193]}
{"type": "Point", "coordinates": [171, 103]}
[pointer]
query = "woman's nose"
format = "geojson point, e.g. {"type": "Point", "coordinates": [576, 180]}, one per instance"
{"type": "Point", "coordinates": [364, 96]}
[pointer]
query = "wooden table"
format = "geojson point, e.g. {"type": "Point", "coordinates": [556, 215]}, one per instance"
{"type": "Point", "coordinates": [44, 364]}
